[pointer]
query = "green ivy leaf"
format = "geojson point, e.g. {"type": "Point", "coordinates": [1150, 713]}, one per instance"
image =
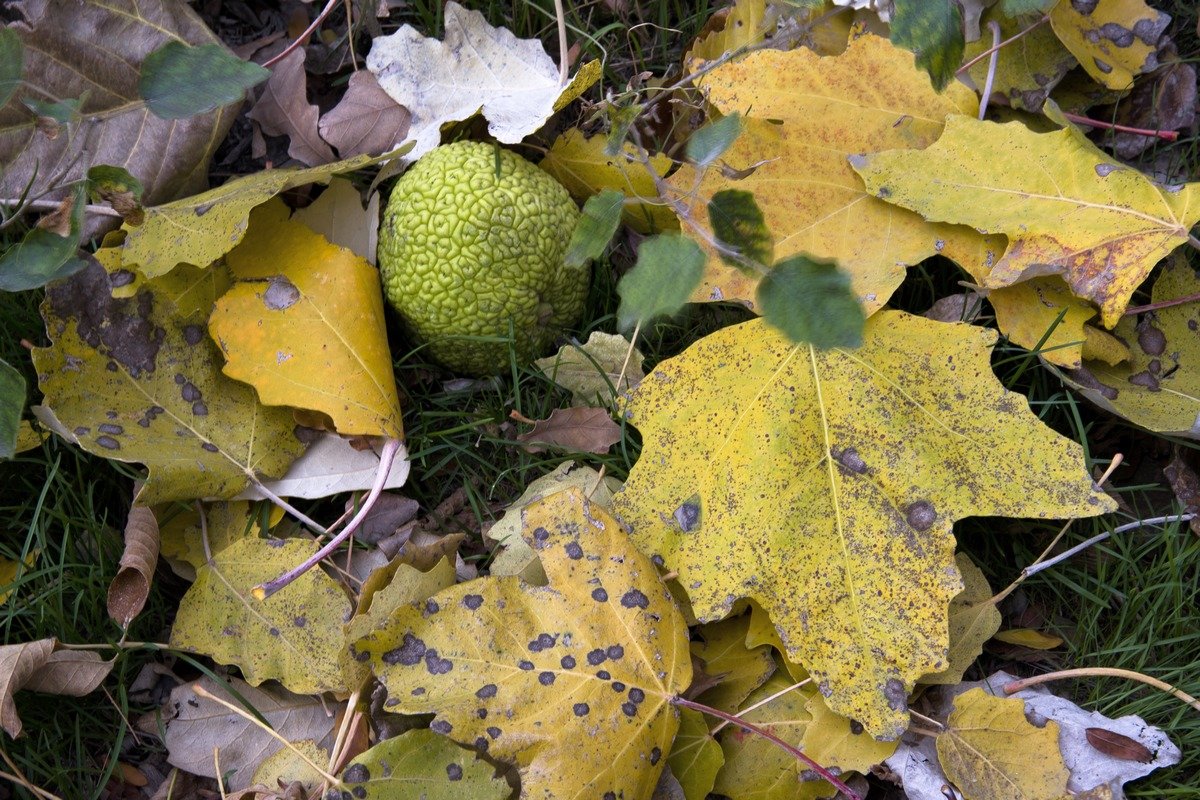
{"type": "Point", "coordinates": [932, 30]}
{"type": "Point", "coordinates": [668, 269]}
{"type": "Point", "coordinates": [179, 81]}
{"type": "Point", "coordinates": [812, 302]}
{"type": "Point", "coordinates": [599, 221]}
{"type": "Point", "coordinates": [738, 223]}
{"type": "Point", "coordinates": [708, 143]}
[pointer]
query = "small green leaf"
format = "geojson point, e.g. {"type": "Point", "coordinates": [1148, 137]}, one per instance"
{"type": "Point", "coordinates": [668, 269]}
{"type": "Point", "coordinates": [179, 81]}
{"type": "Point", "coordinates": [11, 61]}
{"type": "Point", "coordinates": [932, 30]}
{"type": "Point", "coordinates": [599, 221]}
{"type": "Point", "coordinates": [43, 255]}
{"type": "Point", "coordinates": [12, 401]}
{"type": "Point", "coordinates": [64, 112]}
{"type": "Point", "coordinates": [620, 121]}
{"type": "Point", "coordinates": [105, 180]}
{"type": "Point", "coordinates": [738, 223]}
{"type": "Point", "coordinates": [811, 302]}
{"type": "Point", "coordinates": [1015, 8]}
{"type": "Point", "coordinates": [708, 143]}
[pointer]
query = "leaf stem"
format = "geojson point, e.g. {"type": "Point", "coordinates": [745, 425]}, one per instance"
{"type": "Point", "coordinates": [1102, 672]}
{"type": "Point", "coordinates": [303, 37]}
{"type": "Point", "coordinates": [1169, 136]}
{"type": "Point", "coordinates": [386, 458]}
{"type": "Point", "coordinates": [790, 749]}
{"type": "Point", "coordinates": [761, 703]}
{"type": "Point", "coordinates": [991, 71]}
{"type": "Point", "coordinates": [1177, 301]}
{"type": "Point", "coordinates": [50, 205]}
{"type": "Point", "coordinates": [1139, 523]}
{"type": "Point", "coordinates": [560, 17]}
{"type": "Point", "coordinates": [996, 47]}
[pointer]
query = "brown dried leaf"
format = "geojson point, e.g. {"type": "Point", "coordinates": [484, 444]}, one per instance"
{"type": "Point", "coordinates": [283, 110]}
{"type": "Point", "coordinates": [587, 430]}
{"type": "Point", "coordinates": [1118, 745]}
{"type": "Point", "coordinates": [129, 589]}
{"type": "Point", "coordinates": [37, 667]}
{"type": "Point", "coordinates": [77, 48]}
{"type": "Point", "coordinates": [365, 120]}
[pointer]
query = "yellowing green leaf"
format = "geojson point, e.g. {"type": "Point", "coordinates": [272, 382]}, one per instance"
{"type": "Point", "coordinates": [869, 98]}
{"type": "Point", "coordinates": [991, 752]}
{"type": "Point", "coordinates": [1026, 69]}
{"type": "Point", "coordinates": [593, 371]}
{"type": "Point", "coordinates": [294, 636]}
{"type": "Point", "coordinates": [137, 379]}
{"type": "Point", "coordinates": [1113, 40]}
{"type": "Point", "coordinates": [394, 585]}
{"type": "Point", "coordinates": [835, 741]}
{"type": "Point", "coordinates": [1027, 637]}
{"type": "Point", "coordinates": [182, 539]}
{"type": "Point", "coordinates": [303, 324]}
{"type": "Point", "coordinates": [585, 169]}
{"type": "Point", "coordinates": [288, 765]}
{"type": "Point", "coordinates": [743, 24]}
{"type": "Point", "coordinates": [422, 766]}
{"type": "Point", "coordinates": [824, 487]}
{"type": "Point", "coordinates": [1065, 206]}
{"type": "Point", "coordinates": [726, 657]}
{"type": "Point", "coordinates": [572, 680]}
{"type": "Point", "coordinates": [762, 631]}
{"type": "Point", "coordinates": [695, 757]}
{"type": "Point", "coordinates": [1159, 386]}
{"type": "Point", "coordinates": [1043, 313]}
{"type": "Point", "coordinates": [973, 620]}
{"type": "Point", "coordinates": [200, 229]}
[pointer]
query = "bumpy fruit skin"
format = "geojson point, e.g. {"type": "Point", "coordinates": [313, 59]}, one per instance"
{"type": "Point", "coordinates": [466, 249]}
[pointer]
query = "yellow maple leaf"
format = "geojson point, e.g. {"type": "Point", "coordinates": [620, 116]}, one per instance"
{"type": "Point", "coordinates": [581, 165]}
{"type": "Point", "coordinates": [992, 752]}
{"type": "Point", "coordinates": [1066, 207]}
{"type": "Point", "coordinates": [823, 485]}
{"type": "Point", "coordinates": [572, 680]}
{"type": "Point", "coordinates": [1113, 40]}
{"type": "Point", "coordinates": [973, 620]}
{"type": "Point", "coordinates": [1026, 69]}
{"type": "Point", "coordinates": [808, 114]}
{"type": "Point", "coordinates": [303, 324]}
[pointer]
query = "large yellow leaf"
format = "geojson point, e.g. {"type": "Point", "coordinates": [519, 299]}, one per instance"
{"type": "Point", "coordinates": [992, 752]}
{"type": "Point", "coordinates": [137, 379]}
{"type": "Point", "coordinates": [974, 618]}
{"type": "Point", "coordinates": [824, 486]}
{"type": "Point", "coordinates": [1159, 386]}
{"type": "Point", "coordinates": [1113, 40]}
{"type": "Point", "coordinates": [820, 111]}
{"type": "Point", "coordinates": [1066, 207]}
{"type": "Point", "coordinates": [303, 324]}
{"type": "Point", "coordinates": [572, 680]}
{"type": "Point", "coordinates": [1027, 69]}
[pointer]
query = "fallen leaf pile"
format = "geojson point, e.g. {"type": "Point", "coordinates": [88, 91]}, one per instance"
{"type": "Point", "coordinates": [783, 549]}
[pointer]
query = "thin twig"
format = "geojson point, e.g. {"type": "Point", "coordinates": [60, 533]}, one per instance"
{"type": "Point", "coordinates": [996, 47]}
{"type": "Point", "coordinates": [1140, 523]}
{"type": "Point", "coordinates": [628, 355]}
{"type": "Point", "coordinates": [561, 17]}
{"type": "Point", "coordinates": [20, 780]}
{"type": "Point", "coordinates": [299, 515]}
{"type": "Point", "coordinates": [759, 704]}
{"type": "Point", "coordinates": [1102, 672]}
{"type": "Point", "coordinates": [302, 38]}
{"type": "Point", "coordinates": [991, 72]}
{"type": "Point", "coordinates": [1177, 301]}
{"type": "Point", "coordinates": [386, 458]}
{"type": "Point", "coordinates": [50, 205]}
{"type": "Point", "coordinates": [939, 726]}
{"type": "Point", "coordinates": [204, 532]}
{"type": "Point", "coordinates": [790, 749]}
{"type": "Point", "coordinates": [1168, 136]}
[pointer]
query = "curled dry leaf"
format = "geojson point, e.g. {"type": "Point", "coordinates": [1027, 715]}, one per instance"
{"type": "Point", "coordinates": [129, 589]}
{"type": "Point", "coordinates": [39, 667]}
{"type": "Point", "coordinates": [283, 110]}
{"type": "Point", "coordinates": [366, 120]}
{"type": "Point", "coordinates": [587, 430]}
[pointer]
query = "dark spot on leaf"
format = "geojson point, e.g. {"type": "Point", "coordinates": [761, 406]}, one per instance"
{"type": "Point", "coordinates": [603, 675]}
{"type": "Point", "coordinates": [1104, 170]}
{"type": "Point", "coordinates": [615, 651]}
{"type": "Point", "coordinates": [436, 665]}
{"type": "Point", "coordinates": [189, 392]}
{"type": "Point", "coordinates": [210, 447]}
{"type": "Point", "coordinates": [635, 599]}
{"type": "Point", "coordinates": [472, 601]}
{"type": "Point", "coordinates": [481, 713]}
{"type": "Point", "coordinates": [115, 430]}
{"type": "Point", "coordinates": [1085, 378]}
{"type": "Point", "coordinates": [568, 662]}
{"type": "Point", "coordinates": [493, 731]}
{"type": "Point", "coordinates": [596, 657]}
{"type": "Point", "coordinates": [920, 515]}
{"type": "Point", "coordinates": [610, 796]}
{"type": "Point", "coordinates": [199, 409]}
{"type": "Point", "coordinates": [540, 535]}
{"type": "Point", "coordinates": [1144, 379]}
{"type": "Point", "coordinates": [546, 678]}
{"type": "Point", "coordinates": [544, 641]}
{"type": "Point", "coordinates": [856, 727]}
{"type": "Point", "coordinates": [849, 461]}
{"type": "Point", "coordinates": [1085, 7]}
{"type": "Point", "coordinates": [883, 193]}
{"type": "Point", "coordinates": [192, 334]}
{"type": "Point", "coordinates": [599, 595]}
{"type": "Point", "coordinates": [274, 631]}
{"type": "Point", "coordinates": [1152, 341]}
{"type": "Point", "coordinates": [525, 665]}
{"type": "Point", "coordinates": [897, 698]}
{"type": "Point", "coordinates": [486, 691]}
{"type": "Point", "coordinates": [441, 726]}
{"type": "Point", "coordinates": [454, 772]}
{"type": "Point", "coordinates": [120, 277]}
{"type": "Point", "coordinates": [481, 744]}
{"type": "Point", "coordinates": [637, 695]}
{"type": "Point", "coordinates": [581, 709]}
{"type": "Point", "coordinates": [574, 551]}
{"type": "Point", "coordinates": [356, 773]}
{"type": "Point", "coordinates": [629, 709]}
{"type": "Point", "coordinates": [179, 379]}
{"type": "Point", "coordinates": [362, 657]}
{"type": "Point", "coordinates": [431, 608]}
{"type": "Point", "coordinates": [1117, 34]}
{"type": "Point", "coordinates": [417, 692]}
{"type": "Point", "coordinates": [655, 755]}
{"type": "Point", "coordinates": [300, 621]}
{"type": "Point", "coordinates": [280, 294]}
{"type": "Point", "coordinates": [687, 516]}
{"type": "Point", "coordinates": [657, 560]}
{"type": "Point", "coordinates": [408, 654]}
{"type": "Point", "coordinates": [1103, 66]}
{"type": "Point", "coordinates": [82, 431]}
{"type": "Point", "coordinates": [618, 687]}
{"type": "Point", "coordinates": [108, 443]}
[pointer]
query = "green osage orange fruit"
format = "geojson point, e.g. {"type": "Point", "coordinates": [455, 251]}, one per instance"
{"type": "Point", "coordinates": [472, 244]}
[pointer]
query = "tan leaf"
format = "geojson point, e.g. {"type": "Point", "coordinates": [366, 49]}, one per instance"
{"type": "Point", "coordinates": [129, 589]}
{"type": "Point", "coordinates": [38, 667]}
{"type": "Point", "coordinates": [283, 110]}
{"type": "Point", "coordinates": [366, 120]}
{"type": "Point", "coordinates": [587, 430]}
{"type": "Point", "coordinates": [1118, 745]}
